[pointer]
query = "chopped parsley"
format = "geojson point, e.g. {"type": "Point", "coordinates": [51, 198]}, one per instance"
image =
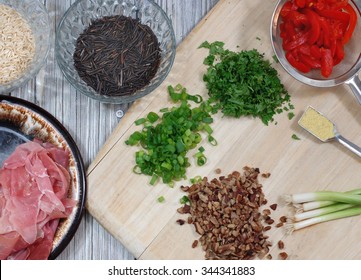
{"type": "Point", "coordinates": [275, 58]}
{"type": "Point", "coordinates": [290, 115]}
{"type": "Point", "coordinates": [295, 137]}
{"type": "Point", "coordinates": [244, 83]}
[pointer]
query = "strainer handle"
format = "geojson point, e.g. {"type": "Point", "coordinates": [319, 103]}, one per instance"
{"type": "Point", "coordinates": [349, 145]}
{"type": "Point", "coordinates": [355, 85]}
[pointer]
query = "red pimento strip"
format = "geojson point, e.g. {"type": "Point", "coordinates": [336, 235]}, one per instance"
{"type": "Point", "coordinates": [300, 66]}
{"type": "Point", "coordinates": [326, 62]}
{"type": "Point", "coordinates": [351, 25]}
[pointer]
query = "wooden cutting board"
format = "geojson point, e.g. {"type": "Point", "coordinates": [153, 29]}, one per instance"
{"type": "Point", "coordinates": [126, 205]}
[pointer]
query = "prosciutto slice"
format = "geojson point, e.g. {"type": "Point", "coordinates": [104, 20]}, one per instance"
{"type": "Point", "coordinates": [34, 184]}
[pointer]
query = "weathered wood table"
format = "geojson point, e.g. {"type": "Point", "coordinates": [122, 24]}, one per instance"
{"type": "Point", "coordinates": [91, 122]}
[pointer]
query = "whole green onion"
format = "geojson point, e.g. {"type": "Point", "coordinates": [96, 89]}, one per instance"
{"type": "Point", "coordinates": [322, 206]}
{"type": "Point", "coordinates": [354, 211]}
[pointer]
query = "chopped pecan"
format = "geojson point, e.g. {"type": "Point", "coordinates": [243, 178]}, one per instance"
{"type": "Point", "coordinates": [283, 256]}
{"type": "Point", "coordinates": [273, 206]}
{"type": "Point", "coordinates": [180, 222]}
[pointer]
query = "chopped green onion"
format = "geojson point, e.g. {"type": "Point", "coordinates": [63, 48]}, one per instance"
{"type": "Point", "coordinates": [154, 179]}
{"type": "Point", "coordinates": [201, 160]}
{"type": "Point", "coordinates": [137, 170]}
{"type": "Point", "coordinates": [178, 87]}
{"type": "Point", "coordinates": [196, 179]}
{"type": "Point", "coordinates": [197, 138]}
{"type": "Point", "coordinates": [180, 160]}
{"type": "Point", "coordinates": [134, 138]}
{"type": "Point", "coordinates": [199, 154]}
{"type": "Point", "coordinates": [152, 117]}
{"type": "Point", "coordinates": [212, 141]}
{"type": "Point", "coordinates": [166, 165]}
{"type": "Point", "coordinates": [161, 199]}
{"type": "Point", "coordinates": [195, 98]}
{"type": "Point", "coordinates": [166, 138]}
{"type": "Point", "coordinates": [179, 93]}
{"type": "Point", "coordinates": [207, 120]}
{"type": "Point", "coordinates": [208, 129]}
{"type": "Point", "coordinates": [184, 200]}
{"type": "Point", "coordinates": [140, 121]}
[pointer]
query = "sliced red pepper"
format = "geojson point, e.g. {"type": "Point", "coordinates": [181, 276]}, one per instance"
{"type": "Point", "coordinates": [332, 48]}
{"type": "Point", "coordinates": [312, 63]}
{"type": "Point", "coordinates": [304, 49]}
{"type": "Point", "coordinates": [339, 4]}
{"type": "Point", "coordinates": [335, 15]}
{"type": "Point", "coordinates": [300, 3]}
{"type": "Point", "coordinates": [288, 31]}
{"type": "Point", "coordinates": [325, 28]}
{"type": "Point", "coordinates": [286, 9]}
{"type": "Point", "coordinates": [339, 54]}
{"type": "Point", "coordinates": [319, 5]}
{"type": "Point", "coordinates": [299, 20]}
{"type": "Point", "coordinates": [315, 52]}
{"type": "Point", "coordinates": [301, 39]}
{"type": "Point", "coordinates": [315, 26]}
{"type": "Point", "coordinates": [337, 30]}
{"type": "Point", "coordinates": [320, 41]}
{"type": "Point", "coordinates": [300, 66]}
{"type": "Point", "coordinates": [352, 24]}
{"type": "Point", "coordinates": [326, 62]}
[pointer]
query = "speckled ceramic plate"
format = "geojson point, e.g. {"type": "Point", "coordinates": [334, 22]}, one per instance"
{"type": "Point", "coordinates": [22, 121]}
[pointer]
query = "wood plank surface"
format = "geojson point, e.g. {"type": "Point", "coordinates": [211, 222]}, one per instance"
{"type": "Point", "coordinates": [125, 204]}
{"type": "Point", "coordinates": [90, 122]}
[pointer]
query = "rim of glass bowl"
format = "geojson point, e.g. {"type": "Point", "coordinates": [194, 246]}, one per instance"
{"type": "Point", "coordinates": [34, 68]}
{"type": "Point", "coordinates": [90, 92]}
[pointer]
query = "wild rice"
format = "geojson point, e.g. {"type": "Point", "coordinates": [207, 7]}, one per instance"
{"type": "Point", "coordinates": [17, 46]}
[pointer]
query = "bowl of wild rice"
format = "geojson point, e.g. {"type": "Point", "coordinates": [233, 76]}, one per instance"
{"type": "Point", "coordinates": [115, 51]}
{"type": "Point", "coordinates": [24, 41]}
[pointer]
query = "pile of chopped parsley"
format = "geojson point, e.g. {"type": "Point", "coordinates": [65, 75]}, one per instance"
{"type": "Point", "coordinates": [244, 83]}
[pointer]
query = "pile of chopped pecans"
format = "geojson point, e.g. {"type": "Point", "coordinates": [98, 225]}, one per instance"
{"type": "Point", "coordinates": [225, 212]}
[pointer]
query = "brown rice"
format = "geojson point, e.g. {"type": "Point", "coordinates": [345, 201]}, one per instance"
{"type": "Point", "coordinates": [17, 46]}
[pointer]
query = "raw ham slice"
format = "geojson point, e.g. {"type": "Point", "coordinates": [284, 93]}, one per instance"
{"type": "Point", "coordinates": [34, 184]}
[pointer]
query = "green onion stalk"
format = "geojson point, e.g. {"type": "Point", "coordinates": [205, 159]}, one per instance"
{"type": "Point", "coordinates": [322, 206]}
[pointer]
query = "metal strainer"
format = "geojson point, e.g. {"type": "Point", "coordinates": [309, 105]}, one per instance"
{"type": "Point", "coordinates": [347, 71]}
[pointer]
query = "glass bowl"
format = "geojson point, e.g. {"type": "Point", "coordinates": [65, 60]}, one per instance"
{"type": "Point", "coordinates": [80, 15]}
{"type": "Point", "coordinates": [37, 17]}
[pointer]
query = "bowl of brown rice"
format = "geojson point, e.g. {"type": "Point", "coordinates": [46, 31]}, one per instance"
{"type": "Point", "coordinates": [24, 41]}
